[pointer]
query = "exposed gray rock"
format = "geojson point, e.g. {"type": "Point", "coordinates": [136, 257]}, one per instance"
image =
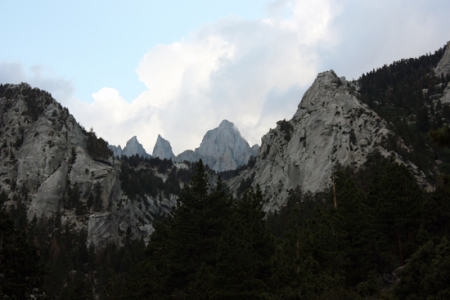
{"type": "Point", "coordinates": [46, 155]}
{"type": "Point", "coordinates": [446, 95]}
{"type": "Point", "coordinates": [254, 150]}
{"type": "Point", "coordinates": [102, 229]}
{"type": "Point", "coordinates": [188, 155]}
{"type": "Point", "coordinates": [443, 67]}
{"type": "Point", "coordinates": [117, 150]}
{"type": "Point", "coordinates": [47, 200]}
{"type": "Point", "coordinates": [331, 125]}
{"type": "Point", "coordinates": [222, 149]}
{"type": "Point", "coordinates": [133, 147]}
{"type": "Point", "coordinates": [162, 149]}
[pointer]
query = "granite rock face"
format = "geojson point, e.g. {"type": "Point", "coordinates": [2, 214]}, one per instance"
{"type": "Point", "coordinates": [43, 153]}
{"type": "Point", "coordinates": [443, 67]}
{"type": "Point", "coordinates": [254, 150]}
{"type": "Point", "coordinates": [331, 125]}
{"type": "Point", "coordinates": [162, 149]}
{"type": "Point", "coordinates": [133, 147]}
{"type": "Point", "coordinates": [222, 149]}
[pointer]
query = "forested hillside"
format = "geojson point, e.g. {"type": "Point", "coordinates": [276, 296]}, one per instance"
{"type": "Point", "coordinates": [349, 242]}
{"type": "Point", "coordinates": [406, 93]}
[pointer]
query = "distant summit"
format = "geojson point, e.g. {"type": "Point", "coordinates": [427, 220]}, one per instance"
{"type": "Point", "coordinates": [132, 147]}
{"type": "Point", "coordinates": [162, 149]}
{"type": "Point", "coordinates": [222, 149]}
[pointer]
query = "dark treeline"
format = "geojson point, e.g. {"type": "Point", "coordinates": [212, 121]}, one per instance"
{"type": "Point", "coordinates": [138, 177]}
{"type": "Point", "coordinates": [346, 243]}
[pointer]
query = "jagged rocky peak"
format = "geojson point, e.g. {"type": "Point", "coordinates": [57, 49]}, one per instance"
{"type": "Point", "coordinates": [331, 125]}
{"type": "Point", "coordinates": [443, 67]}
{"type": "Point", "coordinates": [163, 149]}
{"type": "Point", "coordinates": [223, 148]}
{"type": "Point", "coordinates": [222, 139]}
{"type": "Point", "coordinates": [133, 147]}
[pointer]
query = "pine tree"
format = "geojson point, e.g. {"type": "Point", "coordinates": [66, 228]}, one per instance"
{"type": "Point", "coordinates": [427, 274]}
{"type": "Point", "coordinates": [397, 201]}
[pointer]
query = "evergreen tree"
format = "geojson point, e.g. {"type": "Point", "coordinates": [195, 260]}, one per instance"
{"type": "Point", "coordinates": [356, 222]}
{"type": "Point", "coordinates": [397, 201]}
{"type": "Point", "coordinates": [427, 274]}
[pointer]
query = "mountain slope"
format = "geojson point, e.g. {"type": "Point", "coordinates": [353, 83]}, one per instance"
{"type": "Point", "coordinates": [51, 165]}
{"type": "Point", "coordinates": [330, 126]}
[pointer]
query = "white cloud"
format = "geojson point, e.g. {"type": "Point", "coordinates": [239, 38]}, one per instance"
{"type": "Point", "coordinates": [38, 76]}
{"type": "Point", "coordinates": [230, 69]}
{"type": "Point", "coordinates": [252, 73]}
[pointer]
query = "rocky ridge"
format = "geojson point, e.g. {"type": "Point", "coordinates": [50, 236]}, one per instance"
{"type": "Point", "coordinates": [133, 147]}
{"type": "Point", "coordinates": [330, 126]}
{"type": "Point", "coordinates": [43, 154]}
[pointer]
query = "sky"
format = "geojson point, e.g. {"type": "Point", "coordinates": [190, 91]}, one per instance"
{"type": "Point", "coordinates": [178, 68]}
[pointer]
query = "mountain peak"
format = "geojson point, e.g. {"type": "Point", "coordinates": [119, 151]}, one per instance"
{"type": "Point", "coordinates": [163, 149]}
{"type": "Point", "coordinates": [443, 67]}
{"type": "Point", "coordinates": [226, 123]}
{"type": "Point", "coordinates": [133, 147]}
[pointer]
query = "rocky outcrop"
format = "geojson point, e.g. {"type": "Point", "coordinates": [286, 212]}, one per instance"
{"type": "Point", "coordinates": [446, 95]}
{"type": "Point", "coordinates": [133, 147]}
{"type": "Point", "coordinates": [188, 155]}
{"type": "Point", "coordinates": [47, 199]}
{"type": "Point", "coordinates": [222, 149]}
{"type": "Point", "coordinates": [443, 67]}
{"type": "Point", "coordinates": [102, 229]}
{"type": "Point", "coordinates": [162, 149]}
{"type": "Point", "coordinates": [330, 126]}
{"type": "Point", "coordinates": [254, 150]}
{"type": "Point", "coordinates": [43, 155]}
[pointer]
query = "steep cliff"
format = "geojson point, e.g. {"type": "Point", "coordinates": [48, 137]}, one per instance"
{"type": "Point", "coordinates": [52, 165]}
{"type": "Point", "coordinates": [443, 67]}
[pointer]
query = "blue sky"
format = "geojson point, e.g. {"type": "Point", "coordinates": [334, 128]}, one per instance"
{"type": "Point", "coordinates": [177, 68]}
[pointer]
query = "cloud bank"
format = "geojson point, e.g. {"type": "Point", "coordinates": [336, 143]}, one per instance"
{"type": "Point", "coordinates": [252, 72]}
